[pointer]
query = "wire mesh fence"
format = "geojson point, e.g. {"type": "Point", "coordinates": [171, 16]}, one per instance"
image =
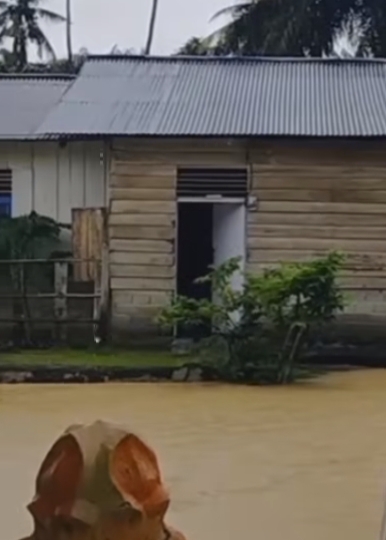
{"type": "Point", "coordinates": [48, 300]}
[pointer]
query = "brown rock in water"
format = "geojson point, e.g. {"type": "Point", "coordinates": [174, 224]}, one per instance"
{"type": "Point", "coordinates": [100, 482]}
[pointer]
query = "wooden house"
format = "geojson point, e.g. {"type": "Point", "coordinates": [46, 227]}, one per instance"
{"type": "Point", "coordinates": [267, 159]}
{"type": "Point", "coordinates": [39, 174]}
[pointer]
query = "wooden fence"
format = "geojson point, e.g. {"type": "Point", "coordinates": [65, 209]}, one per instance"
{"type": "Point", "coordinates": [89, 241]}
{"type": "Point", "coordinates": [49, 297]}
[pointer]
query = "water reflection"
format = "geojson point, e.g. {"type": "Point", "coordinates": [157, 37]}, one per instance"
{"type": "Point", "coordinates": [301, 463]}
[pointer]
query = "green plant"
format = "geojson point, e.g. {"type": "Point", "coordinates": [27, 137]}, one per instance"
{"type": "Point", "coordinates": [25, 238]}
{"type": "Point", "coordinates": [301, 292]}
{"type": "Point", "coordinates": [259, 331]}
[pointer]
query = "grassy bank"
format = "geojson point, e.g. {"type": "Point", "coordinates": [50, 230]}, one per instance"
{"type": "Point", "coordinates": [89, 358]}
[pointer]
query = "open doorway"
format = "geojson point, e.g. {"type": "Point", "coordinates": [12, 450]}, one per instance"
{"type": "Point", "coordinates": [195, 248]}
{"type": "Point", "coordinates": [208, 234]}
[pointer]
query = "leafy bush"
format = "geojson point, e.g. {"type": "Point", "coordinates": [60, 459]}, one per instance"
{"type": "Point", "coordinates": [301, 292]}
{"type": "Point", "coordinates": [25, 237]}
{"type": "Point", "coordinates": [259, 332]}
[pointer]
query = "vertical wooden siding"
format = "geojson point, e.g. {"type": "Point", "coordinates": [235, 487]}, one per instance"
{"type": "Point", "coordinates": [52, 179]}
{"type": "Point", "coordinates": [88, 238]}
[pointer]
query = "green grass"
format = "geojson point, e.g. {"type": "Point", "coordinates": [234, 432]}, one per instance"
{"type": "Point", "coordinates": [90, 358]}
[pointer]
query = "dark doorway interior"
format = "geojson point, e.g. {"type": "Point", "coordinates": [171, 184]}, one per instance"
{"type": "Point", "coordinates": [195, 248]}
{"type": "Point", "coordinates": [195, 253]}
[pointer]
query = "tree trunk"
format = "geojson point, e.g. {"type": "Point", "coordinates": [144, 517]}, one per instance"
{"type": "Point", "coordinates": [68, 31]}
{"type": "Point", "coordinates": [153, 18]}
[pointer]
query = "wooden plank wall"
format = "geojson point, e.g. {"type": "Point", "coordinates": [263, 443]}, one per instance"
{"type": "Point", "coordinates": [312, 197]}
{"type": "Point", "coordinates": [142, 224]}
{"type": "Point", "coordinates": [315, 197]}
{"type": "Point", "coordinates": [141, 231]}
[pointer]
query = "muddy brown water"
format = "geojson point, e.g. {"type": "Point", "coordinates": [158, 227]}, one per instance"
{"type": "Point", "coordinates": [300, 463]}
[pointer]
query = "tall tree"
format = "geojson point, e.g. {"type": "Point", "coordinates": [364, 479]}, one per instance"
{"type": "Point", "coordinates": [20, 21]}
{"type": "Point", "coordinates": [68, 33]}
{"type": "Point", "coordinates": [301, 27]}
{"type": "Point", "coordinates": [153, 18]}
{"type": "Point", "coordinates": [203, 47]}
{"type": "Point", "coordinates": [195, 47]}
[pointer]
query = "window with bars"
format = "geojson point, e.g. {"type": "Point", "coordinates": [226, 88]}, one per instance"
{"type": "Point", "coordinates": [212, 182]}
{"type": "Point", "coordinates": [5, 192]}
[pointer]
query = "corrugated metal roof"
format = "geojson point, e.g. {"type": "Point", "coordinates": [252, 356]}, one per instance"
{"type": "Point", "coordinates": [25, 101]}
{"type": "Point", "coordinates": [179, 96]}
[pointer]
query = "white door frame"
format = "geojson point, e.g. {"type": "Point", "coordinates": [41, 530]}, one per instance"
{"type": "Point", "coordinates": [233, 246]}
{"type": "Point", "coordinates": [208, 200]}
{"type": "Point", "coordinates": [242, 201]}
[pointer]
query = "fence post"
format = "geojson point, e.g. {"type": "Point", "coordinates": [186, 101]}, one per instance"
{"type": "Point", "coordinates": [102, 287]}
{"type": "Point", "coordinates": [60, 302]}
{"type": "Point", "coordinates": [105, 294]}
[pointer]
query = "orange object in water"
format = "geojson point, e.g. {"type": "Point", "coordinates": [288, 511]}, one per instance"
{"type": "Point", "coordinates": [100, 482]}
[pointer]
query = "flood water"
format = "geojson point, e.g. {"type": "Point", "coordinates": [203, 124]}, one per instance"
{"type": "Point", "coordinates": [300, 463]}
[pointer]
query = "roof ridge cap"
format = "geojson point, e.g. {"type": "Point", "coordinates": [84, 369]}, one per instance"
{"type": "Point", "coordinates": [233, 59]}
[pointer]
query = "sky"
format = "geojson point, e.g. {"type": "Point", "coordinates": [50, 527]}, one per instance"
{"type": "Point", "coordinates": [98, 25]}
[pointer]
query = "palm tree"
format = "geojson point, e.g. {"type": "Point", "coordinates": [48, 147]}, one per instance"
{"type": "Point", "coordinates": [302, 27]}
{"type": "Point", "coordinates": [194, 47]}
{"type": "Point", "coordinates": [153, 18]}
{"type": "Point", "coordinates": [19, 21]}
{"type": "Point", "coordinates": [68, 32]}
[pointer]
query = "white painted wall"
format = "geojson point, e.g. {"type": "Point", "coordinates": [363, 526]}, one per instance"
{"type": "Point", "coordinates": [229, 230]}
{"type": "Point", "coordinates": [52, 180]}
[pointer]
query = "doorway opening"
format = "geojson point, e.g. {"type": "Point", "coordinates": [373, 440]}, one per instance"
{"type": "Point", "coordinates": [209, 234]}
{"type": "Point", "coordinates": [195, 249]}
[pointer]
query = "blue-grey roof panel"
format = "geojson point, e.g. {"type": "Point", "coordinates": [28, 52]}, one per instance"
{"type": "Point", "coordinates": [25, 102]}
{"type": "Point", "coordinates": [177, 96]}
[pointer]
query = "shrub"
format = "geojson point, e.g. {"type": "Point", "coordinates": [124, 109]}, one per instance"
{"type": "Point", "coordinates": [26, 238]}
{"type": "Point", "coordinates": [260, 331]}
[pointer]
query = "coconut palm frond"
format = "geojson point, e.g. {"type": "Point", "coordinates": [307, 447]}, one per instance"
{"type": "Point", "coordinates": [49, 16]}
{"type": "Point", "coordinates": [19, 21]}
{"type": "Point", "coordinates": [44, 46]}
{"type": "Point", "coordinates": [231, 11]}
{"type": "Point", "coordinates": [301, 27]}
